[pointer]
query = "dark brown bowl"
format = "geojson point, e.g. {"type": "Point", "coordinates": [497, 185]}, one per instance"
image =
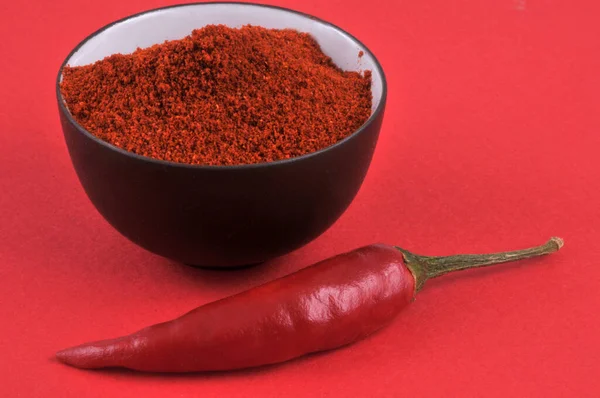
{"type": "Point", "coordinates": [221, 216]}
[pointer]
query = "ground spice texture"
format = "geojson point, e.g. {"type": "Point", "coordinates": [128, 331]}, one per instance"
{"type": "Point", "coordinates": [220, 96]}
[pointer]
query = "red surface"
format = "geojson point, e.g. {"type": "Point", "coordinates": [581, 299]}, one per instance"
{"type": "Point", "coordinates": [490, 142]}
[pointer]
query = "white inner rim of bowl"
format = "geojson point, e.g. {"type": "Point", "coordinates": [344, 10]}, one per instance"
{"type": "Point", "coordinates": [177, 22]}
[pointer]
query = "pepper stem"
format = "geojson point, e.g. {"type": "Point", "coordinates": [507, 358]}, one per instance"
{"type": "Point", "coordinates": [427, 267]}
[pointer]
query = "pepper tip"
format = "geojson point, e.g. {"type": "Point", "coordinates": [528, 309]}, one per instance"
{"type": "Point", "coordinates": [78, 357]}
{"type": "Point", "coordinates": [64, 355]}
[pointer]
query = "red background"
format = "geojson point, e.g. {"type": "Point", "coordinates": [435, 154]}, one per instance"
{"type": "Point", "coordinates": [490, 142]}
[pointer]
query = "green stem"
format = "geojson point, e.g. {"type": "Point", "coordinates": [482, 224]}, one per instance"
{"type": "Point", "coordinates": [427, 267]}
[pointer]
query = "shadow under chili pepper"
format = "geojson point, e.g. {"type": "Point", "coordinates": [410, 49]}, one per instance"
{"type": "Point", "coordinates": [222, 374]}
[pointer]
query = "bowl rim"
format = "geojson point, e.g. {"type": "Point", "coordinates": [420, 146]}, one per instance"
{"type": "Point", "coordinates": [161, 162]}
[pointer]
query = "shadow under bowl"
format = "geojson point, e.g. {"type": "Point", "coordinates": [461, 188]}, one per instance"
{"type": "Point", "coordinates": [221, 216]}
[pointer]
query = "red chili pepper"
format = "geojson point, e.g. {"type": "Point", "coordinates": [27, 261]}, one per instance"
{"type": "Point", "coordinates": [328, 305]}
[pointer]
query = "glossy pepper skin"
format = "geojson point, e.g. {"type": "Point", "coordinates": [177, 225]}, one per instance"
{"type": "Point", "coordinates": [327, 305]}
{"type": "Point", "coordinates": [324, 306]}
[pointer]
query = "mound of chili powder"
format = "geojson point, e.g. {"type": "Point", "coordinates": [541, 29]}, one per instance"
{"type": "Point", "coordinates": [220, 96]}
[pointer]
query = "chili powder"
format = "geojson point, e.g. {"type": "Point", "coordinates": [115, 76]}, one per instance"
{"type": "Point", "coordinates": [220, 96]}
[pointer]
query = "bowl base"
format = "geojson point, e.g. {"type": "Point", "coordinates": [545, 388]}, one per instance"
{"type": "Point", "coordinates": [224, 268]}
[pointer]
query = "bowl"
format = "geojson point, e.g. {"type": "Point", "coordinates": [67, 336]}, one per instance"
{"type": "Point", "coordinates": [221, 216]}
